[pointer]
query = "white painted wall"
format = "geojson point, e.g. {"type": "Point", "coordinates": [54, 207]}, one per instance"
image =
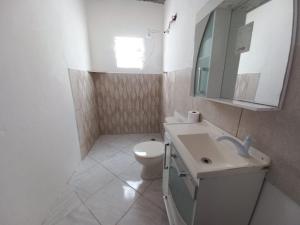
{"type": "Point", "coordinates": [266, 55]}
{"type": "Point", "coordinates": [179, 43]}
{"type": "Point", "coordinates": [274, 208]}
{"type": "Point", "coordinates": [108, 19]}
{"type": "Point", "coordinates": [38, 136]}
{"type": "Point", "coordinates": [75, 34]}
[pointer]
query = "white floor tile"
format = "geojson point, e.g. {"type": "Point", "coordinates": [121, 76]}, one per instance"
{"type": "Point", "coordinates": [132, 176]}
{"type": "Point", "coordinates": [111, 203]}
{"type": "Point", "coordinates": [144, 213]}
{"type": "Point", "coordinates": [154, 193]}
{"type": "Point", "coordinates": [107, 138]}
{"type": "Point", "coordinates": [86, 164]}
{"type": "Point", "coordinates": [90, 181]}
{"type": "Point", "coordinates": [79, 216]}
{"type": "Point", "coordinates": [66, 203]}
{"type": "Point", "coordinates": [108, 181]}
{"type": "Point", "coordinates": [103, 151]}
{"type": "Point", "coordinates": [118, 163]}
{"type": "Point", "coordinates": [125, 140]}
{"type": "Point", "coordinates": [129, 149]}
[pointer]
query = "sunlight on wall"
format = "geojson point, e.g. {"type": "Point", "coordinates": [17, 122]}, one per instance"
{"type": "Point", "coordinates": [130, 52]}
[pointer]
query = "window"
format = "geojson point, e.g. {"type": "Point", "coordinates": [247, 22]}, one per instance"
{"type": "Point", "coordinates": [130, 52]}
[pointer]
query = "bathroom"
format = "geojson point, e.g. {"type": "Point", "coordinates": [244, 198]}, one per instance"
{"type": "Point", "coordinates": [92, 90]}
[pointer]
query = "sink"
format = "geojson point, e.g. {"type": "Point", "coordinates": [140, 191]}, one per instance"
{"type": "Point", "coordinates": [208, 152]}
{"type": "Point", "coordinates": [203, 148]}
{"type": "Point", "coordinates": [204, 156]}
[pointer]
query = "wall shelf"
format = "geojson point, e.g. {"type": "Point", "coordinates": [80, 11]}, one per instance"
{"type": "Point", "coordinates": [241, 104]}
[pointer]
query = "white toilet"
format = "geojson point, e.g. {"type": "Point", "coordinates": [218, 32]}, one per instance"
{"type": "Point", "coordinates": [150, 155]}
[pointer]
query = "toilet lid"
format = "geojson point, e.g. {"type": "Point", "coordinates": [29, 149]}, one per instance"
{"type": "Point", "coordinates": [149, 149]}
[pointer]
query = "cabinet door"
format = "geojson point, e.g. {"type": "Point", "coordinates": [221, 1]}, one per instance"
{"type": "Point", "coordinates": [203, 59]}
{"type": "Point", "coordinates": [166, 165]}
{"type": "Point", "coordinates": [182, 188]}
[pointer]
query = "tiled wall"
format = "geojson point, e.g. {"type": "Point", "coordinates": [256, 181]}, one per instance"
{"type": "Point", "coordinates": [86, 110]}
{"type": "Point", "coordinates": [275, 133]}
{"type": "Point", "coordinates": [128, 103]}
{"type": "Point", "coordinates": [176, 96]}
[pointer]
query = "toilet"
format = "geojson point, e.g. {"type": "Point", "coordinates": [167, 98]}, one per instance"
{"type": "Point", "coordinates": [150, 155]}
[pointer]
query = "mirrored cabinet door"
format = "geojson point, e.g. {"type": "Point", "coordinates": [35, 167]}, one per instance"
{"type": "Point", "coordinates": [209, 54]}
{"type": "Point", "coordinates": [243, 51]}
{"type": "Point", "coordinates": [203, 59]}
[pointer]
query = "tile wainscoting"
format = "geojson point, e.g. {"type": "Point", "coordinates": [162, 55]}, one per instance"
{"type": "Point", "coordinates": [128, 103]}
{"type": "Point", "coordinates": [86, 109]}
{"type": "Point", "coordinates": [275, 133]}
{"type": "Point", "coordinates": [115, 104]}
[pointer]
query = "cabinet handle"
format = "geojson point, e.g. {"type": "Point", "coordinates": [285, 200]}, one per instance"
{"type": "Point", "coordinates": [165, 156]}
{"type": "Point", "coordinates": [179, 172]}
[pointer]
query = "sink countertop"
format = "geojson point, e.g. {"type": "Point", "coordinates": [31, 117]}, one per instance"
{"type": "Point", "coordinates": [224, 155]}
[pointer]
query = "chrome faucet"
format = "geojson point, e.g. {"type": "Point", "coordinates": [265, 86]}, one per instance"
{"type": "Point", "coordinates": [243, 149]}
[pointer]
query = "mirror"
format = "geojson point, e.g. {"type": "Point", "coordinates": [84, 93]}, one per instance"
{"type": "Point", "coordinates": [253, 66]}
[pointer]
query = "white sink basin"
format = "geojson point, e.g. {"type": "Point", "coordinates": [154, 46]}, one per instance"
{"type": "Point", "coordinates": [203, 148]}
{"type": "Point", "coordinates": [204, 155]}
{"type": "Point", "coordinates": [206, 151]}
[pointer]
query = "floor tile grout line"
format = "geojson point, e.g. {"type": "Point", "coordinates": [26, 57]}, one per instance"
{"type": "Point", "coordinates": [152, 203]}
{"type": "Point", "coordinates": [90, 211]}
{"type": "Point", "coordinates": [116, 176]}
{"type": "Point", "coordinates": [130, 207]}
{"type": "Point", "coordinates": [103, 187]}
{"type": "Point", "coordinates": [123, 181]}
{"type": "Point", "coordinates": [84, 171]}
{"type": "Point", "coordinates": [105, 159]}
{"type": "Point", "coordinates": [99, 189]}
{"type": "Point", "coordinates": [141, 194]}
{"type": "Point", "coordinates": [98, 164]}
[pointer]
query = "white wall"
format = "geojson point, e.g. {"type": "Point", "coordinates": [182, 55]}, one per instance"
{"type": "Point", "coordinates": [179, 43]}
{"type": "Point", "coordinates": [108, 19]}
{"type": "Point", "coordinates": [274, 208]}
{"type": "Point", "coordinates": [75, 34]}
{"type": "Point", "coordinates": [38, 136]}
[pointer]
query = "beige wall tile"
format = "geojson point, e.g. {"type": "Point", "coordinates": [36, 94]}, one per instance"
{"type": "Point", "coordinates": [86, 110]}
{"type": "Point", "coordinates": [224, 116]}
{"type": "Point", "coordinates": [128, 103]}
{"type": "Point", "coordinates": [177, 96]}
{"type": "Point", "coordinates": [168, 94]}
{"type": "Point", "coordinates": [183, 101]}
{"type": "Point", "coordinates": [278, 135]}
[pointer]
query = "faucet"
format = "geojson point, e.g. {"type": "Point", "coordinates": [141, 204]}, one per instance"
{"type": "Point", "coordinates": [243, 148]}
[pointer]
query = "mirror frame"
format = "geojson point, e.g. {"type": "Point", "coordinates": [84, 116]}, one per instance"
{"type": "Point", "coordinates": [206, 10]}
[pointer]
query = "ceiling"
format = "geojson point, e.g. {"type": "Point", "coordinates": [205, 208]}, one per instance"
{"type": "Point", "coordinates": [155, 1]}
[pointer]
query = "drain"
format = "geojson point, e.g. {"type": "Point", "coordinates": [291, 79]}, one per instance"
{"type": "Point", "coordinates": [206, 160]}
{"type": "Point", "coordinates": [153, 139]}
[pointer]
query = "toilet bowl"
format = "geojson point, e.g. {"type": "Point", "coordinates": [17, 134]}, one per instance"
{"type": "Point", "coordinates": [150, 155]}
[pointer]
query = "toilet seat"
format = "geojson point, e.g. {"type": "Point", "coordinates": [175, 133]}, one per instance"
{"type": "Point", "coordinates": [149, 149]}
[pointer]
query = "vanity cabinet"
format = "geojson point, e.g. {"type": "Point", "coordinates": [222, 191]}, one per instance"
{"type": "Point", "coordinates": [219, 199]}
{"type": "Point", "coordinates": [228, 200]}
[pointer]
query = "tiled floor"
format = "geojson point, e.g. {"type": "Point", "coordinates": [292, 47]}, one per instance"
{"type": "Point", "coordinates": [107, 189]}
